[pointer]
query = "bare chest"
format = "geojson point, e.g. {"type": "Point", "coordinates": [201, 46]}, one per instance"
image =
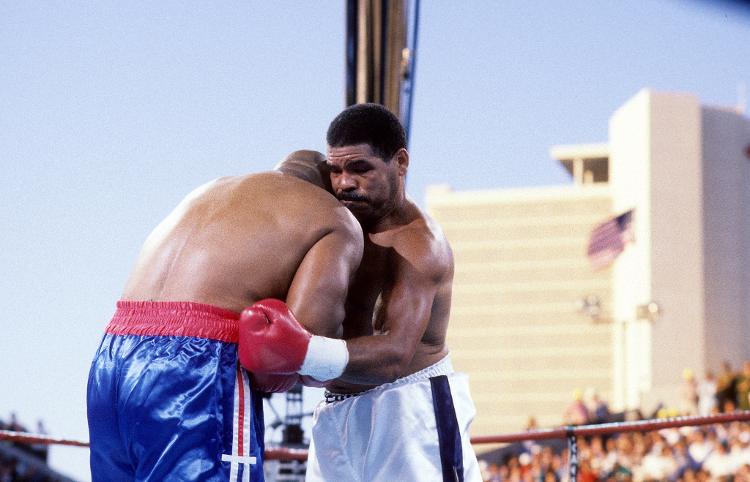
{"type": "Point", "coordinates": [368, 294]}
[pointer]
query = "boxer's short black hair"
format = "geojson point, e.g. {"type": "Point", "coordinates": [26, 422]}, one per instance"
{"type": "Point", "coordinates": [370, 124]}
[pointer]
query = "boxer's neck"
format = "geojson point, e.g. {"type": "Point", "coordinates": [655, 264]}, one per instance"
{"type": "Point", "coordinates": [403, 212]}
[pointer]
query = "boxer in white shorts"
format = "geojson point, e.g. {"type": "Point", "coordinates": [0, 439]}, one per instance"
{"type": "Point", "coordinates": [392, 340]}
{"type": "Point", "coordinates": [415, 428]}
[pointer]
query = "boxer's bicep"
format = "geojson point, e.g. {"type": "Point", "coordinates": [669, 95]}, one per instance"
{"type": "Point", "coordinates": [407, 308]}
{"type": "Point", "coordinates": [318, 291]}
{"type": "Point", "coordinates": [406, 314]}
{"type": "Point", "coordinates": [409, 305]}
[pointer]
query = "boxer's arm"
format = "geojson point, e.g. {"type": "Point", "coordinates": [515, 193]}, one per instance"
{"type": "Point", "coordinates": [318, 291]}
{"type": "Point", "coordinates": [282, 345]}
{"type": "Point", "coordinates": [275, 337]}
{"type": "Point", "coordinates": [382, 358]}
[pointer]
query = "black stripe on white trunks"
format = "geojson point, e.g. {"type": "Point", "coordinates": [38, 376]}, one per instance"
{"type": "Point", "coordinates": [449, 436]}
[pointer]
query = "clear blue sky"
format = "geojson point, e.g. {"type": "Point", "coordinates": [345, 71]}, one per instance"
{"type": "Point", "coordinates": [110, 112]}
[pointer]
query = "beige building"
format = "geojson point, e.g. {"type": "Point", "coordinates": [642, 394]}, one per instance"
{"type": "Point", "coordinates": [532, 321]}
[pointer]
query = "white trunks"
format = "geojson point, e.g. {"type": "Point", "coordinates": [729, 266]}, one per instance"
{"type": "Point", "coordinates": [413, 429]}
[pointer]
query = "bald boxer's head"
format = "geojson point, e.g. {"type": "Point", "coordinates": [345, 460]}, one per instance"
{"type": "Point", "coordinates": [307, 165]}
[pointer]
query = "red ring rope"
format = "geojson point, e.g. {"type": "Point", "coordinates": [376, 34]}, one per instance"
{"type": "Point", "coordinates": [608, 428]}
{"type": "Point", "coordinates": [29, 438]}
{"type": "Point", "coordinates": [284, 453]}
{"type": "Point", "coordinates": [275, 453]}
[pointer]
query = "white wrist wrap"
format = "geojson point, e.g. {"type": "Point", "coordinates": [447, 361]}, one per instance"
{"type": "Point", "coordinates": [326, 358]}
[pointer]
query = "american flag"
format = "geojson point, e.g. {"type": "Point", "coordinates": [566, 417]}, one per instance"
{"type": "Point", "coordinates": [609, 238]}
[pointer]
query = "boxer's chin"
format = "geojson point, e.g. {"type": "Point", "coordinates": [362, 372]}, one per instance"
{"type": "Point", "coordinates": [360, 209]}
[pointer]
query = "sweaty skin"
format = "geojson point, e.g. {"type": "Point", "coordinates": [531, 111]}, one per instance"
{"type": "Point", "coordinates": [237, 240]}
{"type": "Point", "coordinates": [401, 293]}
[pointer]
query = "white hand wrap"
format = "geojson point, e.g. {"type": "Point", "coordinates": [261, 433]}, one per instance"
{"type": "Point", "coordinates": [326, 358]}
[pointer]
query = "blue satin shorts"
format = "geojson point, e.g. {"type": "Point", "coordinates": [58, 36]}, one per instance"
{"type": "Point", "coordinates": [168, 401]}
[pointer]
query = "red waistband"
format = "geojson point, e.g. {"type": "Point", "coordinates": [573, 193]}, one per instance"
{"type": "Point", "coordinates": [174, 318]}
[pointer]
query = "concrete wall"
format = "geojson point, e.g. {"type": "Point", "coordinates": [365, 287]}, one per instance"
{"type": "Point", "coordinates": [655, 142]}
{"type": "Point", "coordinates": [684, 170]}
{"type": "Point", "coordinates": [726, 135]}
{"type": "Point", "coordinates": [630, 184]}
{"type": "Point", "coordinates": [677, 263]}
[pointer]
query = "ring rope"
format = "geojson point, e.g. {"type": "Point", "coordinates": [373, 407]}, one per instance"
{"type": "Point", "coordinates": [29, 438]}
{"type": "Point", "coordinates": [284, 453]}
{"type": "Point", "coordinates": [614, 427]}
{"type": "Point", "coordinates": [272, 453]}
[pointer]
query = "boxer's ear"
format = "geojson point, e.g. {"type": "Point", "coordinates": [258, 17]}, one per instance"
{"type": "Point", "coordinates": [401, 158]}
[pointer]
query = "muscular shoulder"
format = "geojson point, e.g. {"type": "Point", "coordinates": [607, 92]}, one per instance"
{"type": "Point", "coordinates": [348, 224]}
{"type": "Point", "coordinates": [422, 244]}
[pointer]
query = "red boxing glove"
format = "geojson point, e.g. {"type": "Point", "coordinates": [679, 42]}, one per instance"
{"type": "Point", "coordinates": [271, 383]}
{"type": "Point", "coordinates": [271, 338]}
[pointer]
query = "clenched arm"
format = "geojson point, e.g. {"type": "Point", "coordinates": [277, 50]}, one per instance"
{"type": "Point", "coordinates": [407, 309]}
{"type": "Point", "coordinates": [318, 291]}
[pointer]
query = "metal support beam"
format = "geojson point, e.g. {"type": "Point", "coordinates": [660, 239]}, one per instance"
{"type": "Point", "coordinates": [381, 43]}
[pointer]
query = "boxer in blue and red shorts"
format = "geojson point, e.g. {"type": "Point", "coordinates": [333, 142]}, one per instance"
{"type": "Point", "coordinates": [167, 398]}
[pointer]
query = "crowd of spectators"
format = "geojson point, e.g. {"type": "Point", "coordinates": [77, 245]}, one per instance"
{"type": "Point", "coordinates": [719, 452]}
{"type": "Point", "coordinates": [707, 453]}
{"type": "Point", "coordinates": [15, 469]}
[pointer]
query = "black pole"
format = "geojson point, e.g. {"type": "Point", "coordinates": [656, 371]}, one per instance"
{"type": "Point", "coordinates": [352, 31]}
{"type": "Point", "coordinates": [384, 43]}
{"type": "Point", "coordinates": [572, 455]}
{"type": "Point", "coordinates": [408, 91]}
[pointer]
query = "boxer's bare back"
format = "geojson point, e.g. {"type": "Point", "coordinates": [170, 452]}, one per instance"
{"type": "Point", "coordinates": [237, 240]}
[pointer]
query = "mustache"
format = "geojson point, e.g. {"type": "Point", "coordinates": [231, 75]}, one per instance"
{"type": "Point", "coordinates": [351, 196]}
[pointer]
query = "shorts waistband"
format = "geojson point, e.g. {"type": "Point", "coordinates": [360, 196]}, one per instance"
{"type": "Point", "coordinates": [174, 318]}
{"type": "Point", "coordinates": [442, 367]}
{"type": "Point", "coordinates": [330, 397]}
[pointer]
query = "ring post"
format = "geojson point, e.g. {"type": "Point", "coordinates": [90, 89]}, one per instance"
{"type": "Point", "coordinates": [572, 453]}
